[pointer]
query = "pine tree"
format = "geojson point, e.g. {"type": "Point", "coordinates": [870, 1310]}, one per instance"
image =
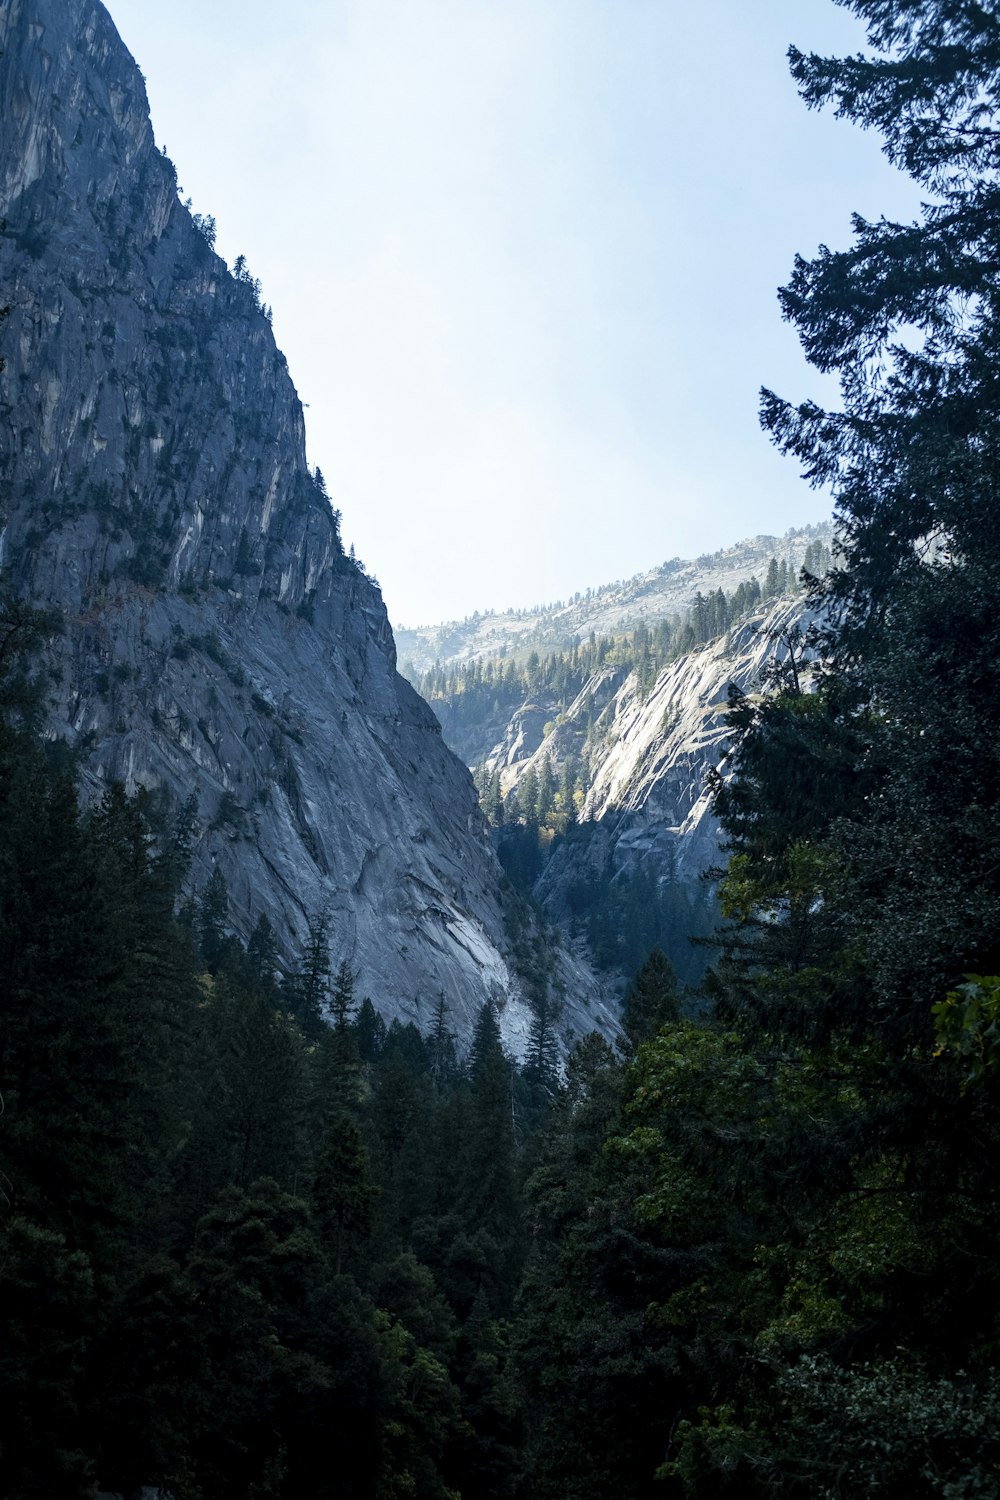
{"type": "Point", "coordinates": [914, 455]}
{"type": "Point", "coordinates": [652, 1000]}
{"type": "Point", "coordinates": [867, 887]}
{"type": "Point", "coordinates": [342, 1002]}
{"type": "Point", "coordinates": [213, 920]}
{"type": "Point", "coordinates": [262, 958]}
{"type": "Point", "coordinates": [175, 861]}
{"type": "Point", "coordinates": [442, 1057]}
{"type": "Point", "coordinates": [541, 1064]}
{"type": "Point", "coordinates": [546, 791]}
{"type": "Point", "coordinates": [487, 1195]}
{"type": "Point", "coordinates": [567, 787]}
{"type": "Point", "coordinates": [307, 992]}
{"type": "Point", "coordinates": [257, 1115]}
{"type": "Point", "coordinates": [370, 1033]}
{"type": "Point", "coordinates": [527, 797]}
{"type": "Point", "coordinates": [342, 1189]}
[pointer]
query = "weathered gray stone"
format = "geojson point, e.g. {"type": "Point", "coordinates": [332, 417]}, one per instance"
{"type": "Point", "coordinates": [217, 640]}
{"type": "Point", "coordinates": [657, 594]}
{"type": "Point", "coordinates": [648, 790]}
{"type": "Point", "coordinates": [648, 807]}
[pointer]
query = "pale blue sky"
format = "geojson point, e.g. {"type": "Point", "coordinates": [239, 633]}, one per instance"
{"type": "Point", "coordinates": [522, 256]}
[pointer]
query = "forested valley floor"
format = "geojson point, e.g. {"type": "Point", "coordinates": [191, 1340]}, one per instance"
{"type": "Point", "coordinates": [254, 1243]}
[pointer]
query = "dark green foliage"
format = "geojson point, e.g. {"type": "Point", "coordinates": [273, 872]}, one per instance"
{"type": "Point", "coordinates": [442, 1058]}
{"type": "Point", "coordinates": [194, 1285]}
{"type": "Point", "coordinates": [306, 993]}
{"type": "Point", "coordinates": [593, 1357]}
{"type": "Point", "coordinates": [489, 1200]}
{"type": "Point", "coordinates": [177, 845]}
{"type": "Point", "coordinates": [541, 1060]}
{"type": "Point", "coordinates": [370, 1033]}
{"type": "Point", "coordinates": [244, 1253]}
{"type": "Point", "coordinates": [257, 1109]}
{"type": "Point", "coordinates": [342, 1189]}
{"type": "Point", "coordinates": [336, 1057]}
{"type": "Point", "coordinates": [623, 916]}
{"type": "Point", "coordinates": [262, 959]}
{"type": "Point", "coordinates": [652, 999]}
{"type": "Point", "coordinates": [215, 944]}
{"type": "Point", "coordinates": [834, 1184]}
{"type": "Point", "coordinates": [342, 1002]}
{"type": "Point", "coordinates": [912, 456]}
{"type": "Point", "coordinates": [47, 1308]}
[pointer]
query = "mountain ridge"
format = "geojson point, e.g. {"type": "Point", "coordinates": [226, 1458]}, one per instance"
{"type": "Point", "coordinates": [657, 593]}
{"type": "Point", "coordinates": [597, 780]}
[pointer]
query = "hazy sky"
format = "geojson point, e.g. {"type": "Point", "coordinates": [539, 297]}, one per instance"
{"type": "Point", "coordinates": [522, 256]}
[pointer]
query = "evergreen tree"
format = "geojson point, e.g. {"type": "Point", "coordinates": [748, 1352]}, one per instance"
{"type": "Point", "coordinates": [370, 1033]}
{"type": "Point", "coordinates": [403, 1151]}
{"type": "Point", "coordinates": [527, 797]}
{"type": "Point", "coordinates": [215, 944]}
{"type": "Point", "coordinates": [598, 1365]}
{"type": "Point", "coordinates": [861, 888]}
{"type": "Point", "coordinates": [175, 861]}
{"type": "Point", "coordinates": [308, 991]}
{"type": "Point", "coordinates": [342, 1002]}
{"type": "Point", "coordinates": [541, 1065]}
{"type": "Point", "coordinates": [567, 788]}
{"type": "Point", "coordinates": [652, 1000]}
{"type": "Point", "coordinates": [256, 1117]}
{"type": "Point", "coordinates": [342, 1189]}
{"type": "Point", "coordinates": [487, 1196]}
{"type": "Point", "coordinates": [262, 958]}
{"type": "Point", "coordinates": [442, 1057]}
{"type": "Point", "coordinates": [546, 791]}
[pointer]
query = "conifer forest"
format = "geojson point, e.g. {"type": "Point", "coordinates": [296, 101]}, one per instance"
{"type": "Point", "coordinates": [256, 1240]}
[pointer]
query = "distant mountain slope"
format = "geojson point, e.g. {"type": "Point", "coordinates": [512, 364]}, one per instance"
{"type": "Point", "coordinates": [664, 591]}
{"type": "Point", "coordinates": [591, 726]}
{"type": "Point", "coordinates": [600, 798]}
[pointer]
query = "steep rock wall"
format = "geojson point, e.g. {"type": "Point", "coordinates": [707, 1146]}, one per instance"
{"type": "Point", "coordinates": [155, 488]}
{"type": "Point", "coordinates": [647, 807]}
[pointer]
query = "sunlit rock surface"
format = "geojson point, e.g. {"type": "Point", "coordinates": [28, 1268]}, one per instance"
{"type": "Point", "coordinates": [657, 594]}
{"type": "Point", "coordinates": [217, 641]}
{"type": "Point", "coordinates": [649, 786]}
{"type": "Point", "coordinates": [648, 756]}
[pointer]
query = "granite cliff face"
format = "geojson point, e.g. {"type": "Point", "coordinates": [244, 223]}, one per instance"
{"type": "Point", "coordinates": [648, 799]}
{"type": "Point", "coordinates": [599, 719]}
{"type": "Point", "coordinates": [155, 488]}
{"type": "Point", "coordinates": [640, 753]}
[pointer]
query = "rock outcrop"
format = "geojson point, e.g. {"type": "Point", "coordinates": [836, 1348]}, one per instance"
{"type": "Point", "coordinates": [647, 755]}
{"type": "Point", "coordinates": [155, 488]}
{"type": "Point", "coordinates": [648, 788]}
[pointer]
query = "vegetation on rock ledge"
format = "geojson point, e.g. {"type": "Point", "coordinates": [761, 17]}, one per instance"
{"type": "Point", "coordinates": [246, 1253]}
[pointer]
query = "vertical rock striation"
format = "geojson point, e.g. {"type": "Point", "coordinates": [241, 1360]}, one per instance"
{"type": "Point", "coordinates": [155, 488]}
{"type": "Point", "coordinates": [648, 807]}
